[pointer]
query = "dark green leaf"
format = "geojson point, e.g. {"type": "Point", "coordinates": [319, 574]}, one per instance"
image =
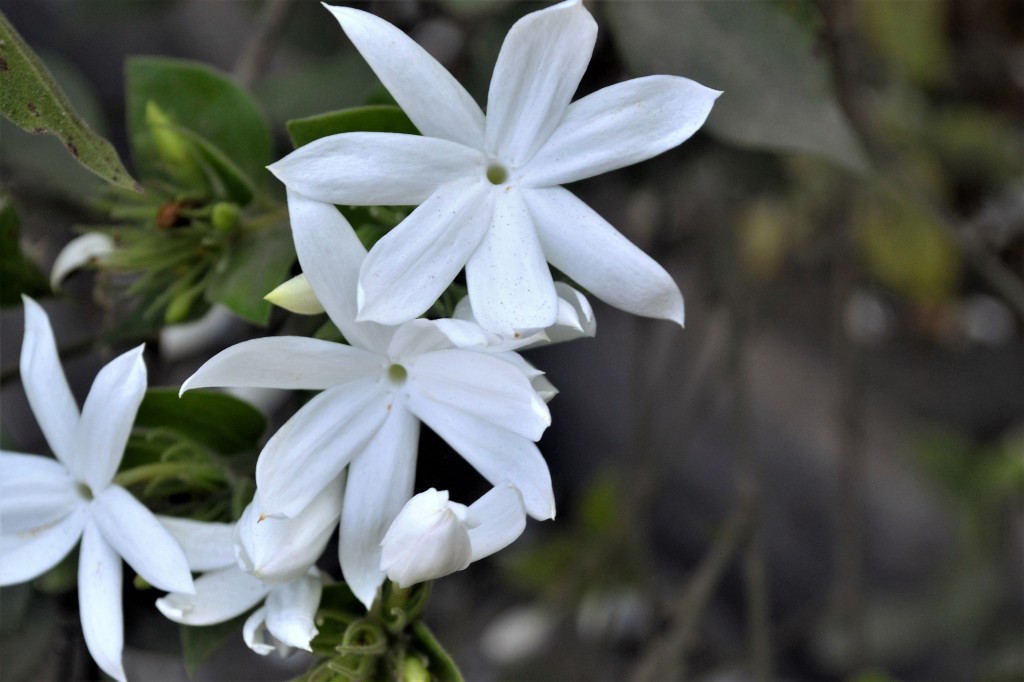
{"type": "Point", "coordinates": [256, 266]}
{"type": "Point", "coordinates": [777, 93]}
{"type": "Point", "coordinates": [381, 118]}
{"type": "Point", "coordinates": [31, 98]}
{"type": "Point", "coordinates": [201, 99]}
{"type": "Point", "coordinates": [228, 180]}
{"type": "Point", "coordinates": [225, 424]}
{"type": "Point", "coordinates": [199, 643]}
{"type": "Point", "coordinates": [19, 276]}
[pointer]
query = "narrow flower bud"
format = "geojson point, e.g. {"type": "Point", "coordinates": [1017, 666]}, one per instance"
{"type": "Point", "coordinates": [296, 296]}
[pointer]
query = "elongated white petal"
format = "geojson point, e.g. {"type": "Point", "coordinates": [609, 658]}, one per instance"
{"type": "Point", "coordinates": [331, 255]}
{"type": "Point", "coordinates": [295, 362]}
{"type": "Point", "coordinates": [45, 385]}
{"type": "Point", "coordinates": [296, 296]}
{"type": "Point", "coordinates": [480, 385]}
{"type": "Point", "coordinates": [431, 97]}
{"type": "Point", "coordinates": [497, 454]}
{"type": "Point", "coordinates": [83, 250]}
{"type": "Point", "coordinates": [207, 546]}
{"type": "Point", "coordinates": [99, 601]}
{"type": "Point", "coordinates": [134, 533]}
{"type": "Point", "coordinates": [282, 550]}
{"type": "Point", "coordinates": [428, 539]}
{"type": "Point", "coordinates": [618, 126]}
{"type": "Point", "coordinates": [412, 264]}
{"type": "Point", "coordinates": [373, 169]}
{"type": "Point", "coordinates": [588, 249]}
{"type": "Point", "coordinates": [28, 555]}
{"type": "Point", "coordinates": [544, 388]}
{"type": "Point", "coordinates": [496, 520]}
{"type": "Point", "coordinates": [510, 285]}
{"type": "Point", "coordinates": [35, 492]}
{"type": "Point", "coordinates": [311, 449]}
{"type": "Point", "coordinates": [291, 609]}
{"type": "Point", "coordinates": [380, 480]}
{"type": "Point", "coordinates": [107, 418]}
{"type": "Point", "coordinates": [575, 316]}
{"type": "Point", "coordinates": [219, 596]}
{"type": "Point", "coordinates": [539, 68]}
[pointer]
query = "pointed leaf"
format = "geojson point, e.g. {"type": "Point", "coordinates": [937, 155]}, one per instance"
{"type": "Point", "coordinates": [31, 98]}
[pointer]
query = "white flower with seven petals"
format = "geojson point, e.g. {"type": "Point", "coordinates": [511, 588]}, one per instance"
{"type": "Point", "coordinates": [47, 505]}
{"type": "Point", "coordinates": [432, 537]}
{"type": "Point", "coordinates": [376, 392]}
{"type": "Point", "coordinates": [488, 186]}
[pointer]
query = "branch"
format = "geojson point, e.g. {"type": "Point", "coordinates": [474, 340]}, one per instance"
{"type": "Point", "coordinates": [256, 55]}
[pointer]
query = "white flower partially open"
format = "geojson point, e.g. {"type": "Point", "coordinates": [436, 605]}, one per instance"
{"type": "Point", "coordinates": [488, 186]}
{"type": "Point", "coordinates": [432, 537]}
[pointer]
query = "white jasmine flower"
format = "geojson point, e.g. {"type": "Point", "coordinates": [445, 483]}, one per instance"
{"type": "Point", "coordinates": [432, 537]}
{"type": "Point", "coordinates": [287, 618]}
{"type": "Point", "coordinates": [376, 392]}
{"type": "Point", "coordinates": [47, 505]}
{"type": "Point", "coordinates": [488, 187]}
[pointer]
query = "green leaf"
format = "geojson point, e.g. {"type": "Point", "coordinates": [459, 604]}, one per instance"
{"type": "Point", "coordinates": [31, 98]}
{"type": "Point", "coordinates": [777, 93]}
{"type": "Point", "coordinates": [199, 643]}
{"type": "Point", "coordinates": [256, 266]}
{"type": "Point", "coordinates": [202, 100]}
{"type": "Point", "coordinates": [225, 424]}
{"type": "Point", "coordinates": [381, 118]}
{"type": "Point", "coordinates": [228, 180]}
{"type": "Point", "coordinates": [18, 274]}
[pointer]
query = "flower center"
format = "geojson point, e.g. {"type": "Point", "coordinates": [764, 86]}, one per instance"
{"type": "Point", "coordinates": [497, 174]}
{"type": "Point", "coordinates": [85, 492]}
{"type": "Point", "coordinates": [397, 374]}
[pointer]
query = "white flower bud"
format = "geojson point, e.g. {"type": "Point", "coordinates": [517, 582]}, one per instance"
{"type": "Point", "coordinates": [428, 539]}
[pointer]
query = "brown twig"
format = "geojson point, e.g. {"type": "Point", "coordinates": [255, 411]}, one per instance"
{"type": "Point", "coordinates": [256, 55]}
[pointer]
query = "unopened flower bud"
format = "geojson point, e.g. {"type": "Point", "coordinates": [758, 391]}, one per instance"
{"type": "Point", "coordinates": [428, 539]}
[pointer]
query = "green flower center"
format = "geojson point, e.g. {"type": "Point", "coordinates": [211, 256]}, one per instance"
{"type": "Point", "coordinates": [397, 374]}
{"type": "Point", "coordinates": [497, 174]}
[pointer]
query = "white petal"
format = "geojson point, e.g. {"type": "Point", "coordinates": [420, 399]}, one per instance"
{"type": "Point", "coordinates": [282, 550]}
{"type": "Point", "coordinates": [108, 416]}
{"type": "Point", "coordinates": [539, 68]}
{"type": "Point", "coordinates": [496, 520]}
{"type": "Point", "coordinates": [620, 125]}
{"type": "Point", "coordinates": [380, 481]}
{"type": "Point", "coordinates": [34, 492]}
{"type": "Point", "coordinates": [412, 264]}
{"type": "Point", "coordinates": [99, 601]}
{"type": "Point", "coordinates": [45, 385]}
{"type": "Point", "coordinates": [427, 93]}
{"type": "Point", "coordinates": [134, 533]}
{"type": "Point", "coordinates": [295, 362]}
{"type": "Point", "coordinates": [465, 332]}
{"type": "Point", "coordinates": [416, 337]}
{"type": "Point", "coordinates": [544, 388]}
{"type": "Point", "coordinates": [575, 316]}
{"type": "Point", "coordinates": [497, 454]}
{"type": "Point", "coordinates": [311, 449]}
{"type": "Point", "coordinates": [26, 556]}
{"type": "Point", "coordinates": [219, 596]}
{"type": "Point", "coordinates": [207, 546]}
{"type": "Point", "coordinates": [331, 255]}
{"type": "Point", "coordinates": [80, 251]}
{"type": "Point", "coordinates": [374, 169]}
{"type": "Point", "coordinates": [296, 296]}
{"type": "Point", "coordinates": [510, 286]}
{"type": "Point", "coordinates": [480, 385]}
{"type": "Point", "coordinates": [254, 632]}
{"type": "Point", "coordinates": [427, 540]}
{"type": "Point", "coordinates": [588, 249]}
{"type": "Point", "coordinates": [291, 609]}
